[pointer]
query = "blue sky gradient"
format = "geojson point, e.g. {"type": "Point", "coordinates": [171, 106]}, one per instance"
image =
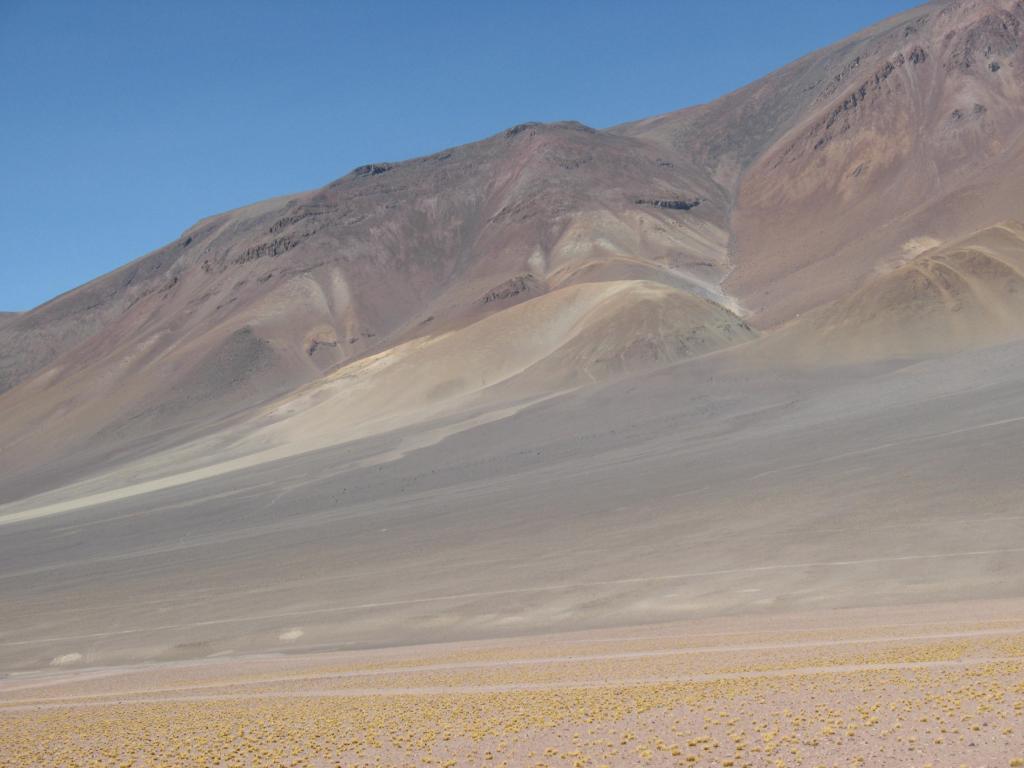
{"type": "Point", "coordinates": [125, 122]}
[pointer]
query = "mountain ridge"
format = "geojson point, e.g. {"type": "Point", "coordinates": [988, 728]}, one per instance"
{"type": "Point", "coordinates": [737, 202]}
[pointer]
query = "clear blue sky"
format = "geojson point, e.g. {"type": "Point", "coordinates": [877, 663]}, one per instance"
{"type": "Point", "coordinates": [125, 122]}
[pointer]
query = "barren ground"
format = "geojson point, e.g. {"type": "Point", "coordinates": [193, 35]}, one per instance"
{"type": "Point", "coordinates": [930, 685]}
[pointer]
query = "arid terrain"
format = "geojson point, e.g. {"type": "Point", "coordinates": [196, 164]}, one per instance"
{"type": "Point", "coordinates": [695, 440]}
{"type": "Point", "coordinates": [928, 686]}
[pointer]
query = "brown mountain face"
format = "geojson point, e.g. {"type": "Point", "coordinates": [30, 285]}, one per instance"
{"type": "Point", "coordinates": [254, 303]}
{"type": "Point", "coordinates": [870, 186]}
{"type": "Point", "coordinates": [916, 139]}
{"type": "Point", "coordinates": [839, 162]}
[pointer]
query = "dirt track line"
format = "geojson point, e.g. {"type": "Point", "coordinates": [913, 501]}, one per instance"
{"type": "Point", "coordinates": [838, 669]}
{"type": "Point", "coordinates": [887, 446]}
{"type": "Point", "coordinates": [523, 590]}
{"type": "Point", "coordinates": [522, 662]}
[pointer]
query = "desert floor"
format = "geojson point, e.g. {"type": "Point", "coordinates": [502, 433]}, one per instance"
{"type": "Point", "coordinates": [711, 488]}
{"type": "Point", "coordinates": [935, 685]}
{"type": "Point", "coordinates": [757, 567]}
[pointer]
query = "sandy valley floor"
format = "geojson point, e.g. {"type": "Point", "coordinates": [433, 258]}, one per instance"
{"type": "Point", "coordinates": [931, 685]}
{"type": "Point", "coordinates": [757, 568]}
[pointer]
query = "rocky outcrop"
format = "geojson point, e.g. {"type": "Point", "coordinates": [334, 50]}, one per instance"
{"type": "Point", "coordinates": [995, 35]}
{"type": "Point", "coordinates": [372, 169]}
{"type": "Point", "coordinates": [304, 214]}
{"type": "Point", "coordinates": [825, 130]}
{"type": "Point", "coordinates": [516, 286]}
{"type": "Point", "coordinates": [673, 205]}
{"type": "Point", "coordinates": [272, 248]}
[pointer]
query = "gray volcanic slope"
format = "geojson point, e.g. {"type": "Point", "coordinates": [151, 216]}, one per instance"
{"type": "Point", "coordinates": [755, 354]}
{"type": "Point", "coordinates": [712, 486]}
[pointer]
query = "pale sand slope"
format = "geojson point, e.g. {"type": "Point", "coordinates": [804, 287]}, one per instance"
{"type": "Point", "coordinates": [568, 337]}
{"type": "Point", "coordinates": [925, 685]}
{"type": "Point", "coordinates": [710, 487]}
{"type": "Point", "coordinates": [255, 303]}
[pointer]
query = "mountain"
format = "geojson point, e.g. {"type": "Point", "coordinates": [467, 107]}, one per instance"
{"type": "Point", "coordinates": [724, 285]}
{"type": "Point", "coordinates": [776, 199]}
{"type": "Point", "coordinates": [260, 301]}
{"type": "Point", "coordinates": [840, 163]}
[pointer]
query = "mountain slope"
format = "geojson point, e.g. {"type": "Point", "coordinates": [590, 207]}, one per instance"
{"type": "Point", "coordinates": [950, 297]}
{"type": "Point", "coordinates": [251, 304]}
{"type": "Point", "coordinates": [910, 129]}
{"type": "Point", "coordinates": [760, 354]}
{"type": "Point", "coordinates": [922, 138]}
{"type": "Point", "coordinates": [785, 198]}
